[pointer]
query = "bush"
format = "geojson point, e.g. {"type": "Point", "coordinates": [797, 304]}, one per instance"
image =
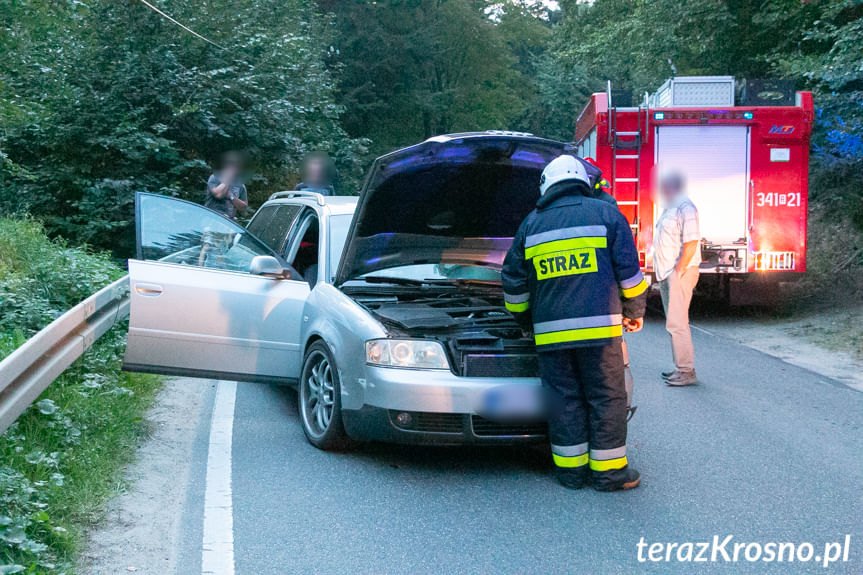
{"type": "Point", "coordinates": [40, 279]}
{"type": "Point", "coordinates": [834, 261]}
{"type": "Point", "coordinates": [59, 461]}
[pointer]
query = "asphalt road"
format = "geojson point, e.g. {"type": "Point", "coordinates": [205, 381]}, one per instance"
{"type": "Point", "coordinates": [760, 450]}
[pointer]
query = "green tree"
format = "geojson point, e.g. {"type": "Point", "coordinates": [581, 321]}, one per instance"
{"type": "Point", "coordinates": [108, 98]}
{"type": "Point", "coordinates": [413, 69]}
{"type": "Point", "coordinates": [828, 58]}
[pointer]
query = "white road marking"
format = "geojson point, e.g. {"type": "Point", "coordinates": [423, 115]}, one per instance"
{"type": "Point", "coordinates": [701, 329]}
{"type": "Point", "coordinates": [217, 557]}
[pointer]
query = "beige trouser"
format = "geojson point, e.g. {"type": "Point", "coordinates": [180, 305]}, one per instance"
{"type": "Point", "coordinates": [676, 295]}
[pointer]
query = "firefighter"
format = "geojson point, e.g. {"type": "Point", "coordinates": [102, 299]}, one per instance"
{"type": "Point", "coordinates": [573, 272]}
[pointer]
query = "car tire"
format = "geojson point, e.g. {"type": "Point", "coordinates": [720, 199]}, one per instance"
{"type": "Point", "coordinates": [320, 402]}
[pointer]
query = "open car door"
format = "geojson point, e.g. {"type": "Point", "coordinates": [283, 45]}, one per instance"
{"type": "Point", "coordinates": [196, 307]}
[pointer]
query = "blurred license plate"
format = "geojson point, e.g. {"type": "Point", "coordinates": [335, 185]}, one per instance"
{"type": "Point", "coordinates": [508, 402]}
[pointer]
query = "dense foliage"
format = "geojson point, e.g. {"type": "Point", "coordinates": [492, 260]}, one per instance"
{"type": "Point", "coordinates": [40, 279]}
{"type": "Point", "coordinates": [414, 69]}
{"type": "Point", "coordinates": [103, 98]}
{"type": "Point", "coordinates": [59, 461]}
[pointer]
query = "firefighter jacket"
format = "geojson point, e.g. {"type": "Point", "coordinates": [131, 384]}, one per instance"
{"type": "Point", "coordinates": [573, 267]}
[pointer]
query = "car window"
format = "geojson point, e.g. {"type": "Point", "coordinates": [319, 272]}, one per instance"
{"type": "Point", "coordinates": [339, 227]}
{"type": "Point", "coordinates": [272, 223]}
{"type": "Point", "coordinates": [305, 245]}
{"type": "Point", "coordinates": [176, 231]}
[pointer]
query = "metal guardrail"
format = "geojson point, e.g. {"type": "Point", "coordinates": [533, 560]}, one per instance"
{"type": "Point", "coordinates": [31, 368]}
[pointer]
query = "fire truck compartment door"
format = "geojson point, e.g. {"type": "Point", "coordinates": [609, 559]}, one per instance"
{"type": "Point", "coordinates": [715, 162]}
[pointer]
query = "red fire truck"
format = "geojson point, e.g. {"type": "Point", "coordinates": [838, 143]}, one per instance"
{"type": "Point", "coordinates": [746, 168]}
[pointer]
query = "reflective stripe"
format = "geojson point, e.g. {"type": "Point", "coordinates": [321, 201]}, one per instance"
{"type": "Point", "coordinates": [565, 233]}
{"type": "Point", "coordinates": [564, 245]}
{"type": "Point", "coordinates": [578, 335]}
{"type": "Point", "coordinates": [633, 281]}
{"type": "Point", "coordinates": [608, 459]}
{"type": "Point", "coordinates": [577, 461]}
{"type": "Point", "coordinates": [600, 454]}
{"type": "Point", "coordinates": [570, 450]}
{"type": "Point", "coordinates": [520, 298]}
{"type": "Point", "coordinates": [577, 323]}
{"type": "Point", "coordinates": [635, 291]}
{"type": "Point", "coordinates": [517, 307]}
{"type": "Point", "coordinates": [608, 464]}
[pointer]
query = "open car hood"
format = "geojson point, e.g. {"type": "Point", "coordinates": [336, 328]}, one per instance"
{"type": "Point", "coordinates": [452, 199]}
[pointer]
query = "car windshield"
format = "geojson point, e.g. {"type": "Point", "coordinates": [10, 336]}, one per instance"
{"type": "Point", "coordinates": [437, 273]}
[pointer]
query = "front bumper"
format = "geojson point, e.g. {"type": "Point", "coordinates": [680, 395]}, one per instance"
{"type": "Point", "coordinates": [377, 424]}
{"type": "Point", "coordinates": [441, 408]}
{"type": "Point", "coordinates": [435, 391]}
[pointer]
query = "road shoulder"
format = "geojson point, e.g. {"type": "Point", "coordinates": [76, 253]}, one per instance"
{"type": "Point", "coordinates": [141, 529]}
{"type": "Point", "coordinates": [814, 342]}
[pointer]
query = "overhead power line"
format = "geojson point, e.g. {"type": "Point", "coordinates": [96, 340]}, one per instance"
{"type": "Point", "coordinates": [186, 28]}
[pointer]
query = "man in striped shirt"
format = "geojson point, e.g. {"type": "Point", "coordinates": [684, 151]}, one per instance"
{"type": "Point", "coordinates": [676, 259]}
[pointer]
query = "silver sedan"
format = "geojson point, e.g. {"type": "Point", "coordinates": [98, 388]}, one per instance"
{"type": "Point", "coordinates": [386, 312]}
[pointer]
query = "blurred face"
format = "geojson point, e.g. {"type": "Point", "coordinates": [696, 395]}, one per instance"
{"type": "Point", "coordinates": [232, 163]}
{"type": "Point", "coordinates": [670, 186]}
{"type": "Point", "coordinates": [315, 171]}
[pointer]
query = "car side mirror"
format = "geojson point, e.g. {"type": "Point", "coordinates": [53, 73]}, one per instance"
{"type": "Point", "coordinates": [266, 266]}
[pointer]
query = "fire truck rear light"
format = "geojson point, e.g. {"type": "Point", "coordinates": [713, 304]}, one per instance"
{"type": "Point", "coordinates": [748, 115]}
{"type": "Point", "coordinates": [767, 261]}
{"type": "Point", "coordinates": [659, 116]}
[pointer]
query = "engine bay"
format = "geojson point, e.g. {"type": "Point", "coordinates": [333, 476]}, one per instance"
{"type": "Point", "coordinates": [481, 337]}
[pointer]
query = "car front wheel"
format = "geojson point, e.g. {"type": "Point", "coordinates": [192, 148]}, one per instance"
{"type": "Point", "coordinates": [320, 400]}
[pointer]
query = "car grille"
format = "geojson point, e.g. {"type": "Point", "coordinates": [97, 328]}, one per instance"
{"type": "Point", "coordinates": [501, 365]}
{"type": "Point", "coordinates": [485, 428]}
{"type": "Point", "coordinates": [430, 422]}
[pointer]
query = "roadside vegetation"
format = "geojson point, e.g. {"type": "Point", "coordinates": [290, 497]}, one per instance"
{"type": "Point", "coordinates": [61, 460]}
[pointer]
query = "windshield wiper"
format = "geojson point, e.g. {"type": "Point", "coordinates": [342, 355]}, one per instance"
{"type": "Point", "coordinates": [459, 282]}
{"type": "Point", "coordinates": [389, 280]}
{"type": "Point", "coordinates": [462, 282]}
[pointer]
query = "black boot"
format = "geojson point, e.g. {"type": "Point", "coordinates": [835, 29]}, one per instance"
{"type": "Point", "coordinates": [575, 478]}
{"type": "Point", "coordinates": [618, 480]}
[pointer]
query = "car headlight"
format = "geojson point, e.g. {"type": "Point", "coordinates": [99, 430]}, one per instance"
{"type": "Point", "coordinates": [410, 353]}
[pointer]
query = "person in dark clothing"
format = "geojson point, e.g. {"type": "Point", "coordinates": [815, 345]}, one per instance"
{"type": "Point", "coordinates": [226, 192]}
{"type": "Point", "coordinates": [600, 192]}
{"type": "Point", "coordinates": [319, 174]}
{"type": "Point", "coordinates": [573, 273]}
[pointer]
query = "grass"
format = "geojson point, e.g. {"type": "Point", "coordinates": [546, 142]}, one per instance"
{"type": "Point", "coordinates": [836, 330]}
{"type": "Point", "coordinates": [62, 459]}
{"type": "Point", "coordinates": [827, 305]}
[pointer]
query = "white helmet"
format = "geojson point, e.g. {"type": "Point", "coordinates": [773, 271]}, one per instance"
{"type": "Point", "coordinates": [560, 169]}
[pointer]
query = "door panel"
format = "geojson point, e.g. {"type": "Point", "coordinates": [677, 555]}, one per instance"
{"type": "Point", "coordinates": [195, 309]}
{"type": "Point", "coordinates": [715, 163]}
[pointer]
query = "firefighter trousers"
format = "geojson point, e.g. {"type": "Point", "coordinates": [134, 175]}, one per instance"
{"type": "Point", "coordinates": [586, 394]}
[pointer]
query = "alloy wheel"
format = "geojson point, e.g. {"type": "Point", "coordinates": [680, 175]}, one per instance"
{"type": "Point", "coordinates": [318, 394]}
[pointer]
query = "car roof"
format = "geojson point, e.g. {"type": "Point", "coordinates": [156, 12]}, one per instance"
{"type": "Point", "coordinates": [337, 205]}
{"type": "Point", "coordinates": [342, 204]}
